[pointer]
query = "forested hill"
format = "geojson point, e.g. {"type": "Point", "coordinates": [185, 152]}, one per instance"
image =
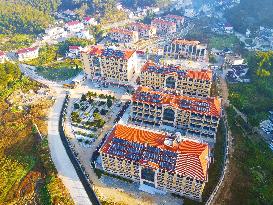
{"type": "Point", "coordinates": [47, 6]}
{"type": "Point", "coordinates": [22, 18]}
{"type": "Point", "coordinates": [251, 13]}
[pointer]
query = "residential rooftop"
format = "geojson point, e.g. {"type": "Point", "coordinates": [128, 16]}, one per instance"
{"type": "Point", "coordinates": [25, 50]}
{"type": "Point", "coordinates": [110, 52]}
{"type": "Point", "coordinates": [121, 31]}
{"type": "Point", "coordinates": [149, 148]}
{"type": "Point", "coordinates": [210, 106]}
{"type": "Point", "coordinates": [161, 21]}
{"type": "Point", "coordinates": [150, 66]}
{"type": "Point", "coordinates": [72, 23]}
{"type": "Point", "coordinates": [141, 25]}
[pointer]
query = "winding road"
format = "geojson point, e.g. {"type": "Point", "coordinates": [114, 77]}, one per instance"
{"type": "Point", "coordinates": [65, 168]}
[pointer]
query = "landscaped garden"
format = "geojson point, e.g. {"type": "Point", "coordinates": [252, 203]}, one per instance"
{"type": "Point", "coordinates": [89, 115]}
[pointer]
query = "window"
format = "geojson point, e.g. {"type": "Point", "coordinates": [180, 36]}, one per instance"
{"type": "Point", "coordinates": [169, 115]}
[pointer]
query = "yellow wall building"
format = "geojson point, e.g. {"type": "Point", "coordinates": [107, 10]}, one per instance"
{"type": "Point", "coordinates": [199, 118]}
{"type": "Point", "coordinates": [157, 159]}
{"type": "Point", "coordinates": [187, 82]}
{"type": "Point", "coordinates": [111, 65]}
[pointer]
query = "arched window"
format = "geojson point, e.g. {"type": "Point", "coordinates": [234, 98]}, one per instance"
{"type": "Point", "coordinates": [169, 115]}
{"type": "Point", "coordinates": [170, 82]}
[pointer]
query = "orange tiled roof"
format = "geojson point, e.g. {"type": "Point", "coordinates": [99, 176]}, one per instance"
{"type": "Point", "coordinates": [209, 106]}
{"type": "Point", "coordinates": [100, 51]}
{"type": "Point", "coordinates": [188, 158]}
{"type": "Point", "coordinates": [122, 31]}
{"type": "Point", "coordinates": [177, 70]}
{"type": "Point", "coordinates": [185, 42]}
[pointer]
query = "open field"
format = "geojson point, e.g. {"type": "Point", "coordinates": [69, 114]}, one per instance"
{"type": "Point", "coordinates": [57, 74]}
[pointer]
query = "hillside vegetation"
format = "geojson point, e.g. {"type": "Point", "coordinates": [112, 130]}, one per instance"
{"type": "Point", "coordinates": [22, 18]}
{"type": "Point", "coordinates": [255, 98]}
{"type": "Point", "coordinates": [28, 175]}
{"type": "Point", "coordinates": [250, 176]}
{"type": "Point", "coordinates": [251, 13]}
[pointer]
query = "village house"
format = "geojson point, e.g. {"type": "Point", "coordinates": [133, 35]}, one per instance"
{"type": "Point", "coordinates": [25, 54]}
{"type": "Point", "coordinates": [144, 30]}
{"type": "Point", "coordinates": [121, 35]}
{"type": "Point", "coordinates": [84, 34]}
{"type": "Point", "coordinates": [186, 49]}
{"type": "Point", "coordinates": [162, 161]}
{"type": "Point", "coordinates": [109, 64]}
{"type": "Point", "coordinates": [74, 26]}
{"type": "Point", "coordinates": [89, 21]}
{"type": "Point", "coordinates": [55, 32]}
{"type": "Point", "coordinates": [228, 28]}
{"type": "Point", "coordinates": [188, 82]}
{"type": "Point", "coordinates": [163, 26]}
{"type": "Point", "coordinates": [74, 51]}
{"type": "Point", "coordinates": [198, 118]}
{"type": "Point", "coordinates": [178, 20]}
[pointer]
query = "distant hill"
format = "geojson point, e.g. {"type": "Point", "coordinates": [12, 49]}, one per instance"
{"type": "Point", "coordinates": [251, 14]}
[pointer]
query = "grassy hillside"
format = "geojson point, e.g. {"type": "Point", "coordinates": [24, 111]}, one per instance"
{"type": "Point", "coordinates": [28, 175]}
{"type": "Point", "coordinates": [251, 167]}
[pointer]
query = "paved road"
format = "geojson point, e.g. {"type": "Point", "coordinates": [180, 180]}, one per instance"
{"type": "Point", "coordinates": [59, 156]}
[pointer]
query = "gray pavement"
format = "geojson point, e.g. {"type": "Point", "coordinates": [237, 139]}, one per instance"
{"type": "Point", "coordinates": [60, 158]}
{"type": "Point", "coordinates": [65, 169]}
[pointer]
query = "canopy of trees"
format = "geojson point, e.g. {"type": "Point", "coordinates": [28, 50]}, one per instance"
{"type": "Point", "coordinates": [251, 13]}
{"type": "Point", "coordinates": [255, 98]}
{"type": "Point", "coordinates": [22, 18]}
{"type": "Point", "coordinates": [47, 6]}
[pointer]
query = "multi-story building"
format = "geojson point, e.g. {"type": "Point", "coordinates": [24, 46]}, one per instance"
{"type": "Point", "coordinates": [184, 81]}
{"type": "Point", "coordinates": [179, 20]}
{"type": "Point", "coordinates": [157, 159]}
{"type": "Point", "coordinates": [144, 30]}
{"type": "Point", "coordinates": [121, 35]}
{"type": "Point", "coordinates": [199, 118]}
{"type": "Point", "coordinates": [25, 54]}
{"type": "Point", "coordinates": [2, 57]}
{"type": "Point", "coordinates": [112, 65]}
{"type": "Point", "coordinates": [163, 26]}
{"type": "Point", "coordinates": [181, 48]}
